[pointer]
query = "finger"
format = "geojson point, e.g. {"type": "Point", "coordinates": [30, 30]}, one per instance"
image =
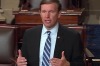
{"type": "Point", "coordinates": [62, 55]}
{"type": "Point", "coordinates": [19, 53]}
{"type": "Point", "coordinates": [22, 64]}
{"type": "Point", "coordinates": [53, 64]}
{"type": "Point", "coordinates": [54, 60]}
{"type": "Point", "coordinates": [21, 59]}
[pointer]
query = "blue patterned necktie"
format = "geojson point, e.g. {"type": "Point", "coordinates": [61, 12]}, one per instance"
{"type": "Point", "coordinates": [46, 52]}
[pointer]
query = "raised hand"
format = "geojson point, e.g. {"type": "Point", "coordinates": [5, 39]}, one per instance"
{"type": "Point", "coordinates": [60, 62]}
{"type": "Point", "coordinates": [21, 61]}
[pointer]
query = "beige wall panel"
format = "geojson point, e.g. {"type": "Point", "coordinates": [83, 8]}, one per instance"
{"type": "Point", "coordinates": [9, 6]}
{"type": "Point", "coordinates": [94, 12]}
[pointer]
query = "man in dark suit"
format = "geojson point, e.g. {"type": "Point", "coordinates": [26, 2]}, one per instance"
{"type": "Point", "coordinates": [66, 47]}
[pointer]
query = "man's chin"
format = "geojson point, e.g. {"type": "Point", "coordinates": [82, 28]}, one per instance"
{"type": "Point", "coordinates": [48, 27]}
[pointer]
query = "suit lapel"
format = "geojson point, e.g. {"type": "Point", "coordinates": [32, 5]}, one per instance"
{"type": "Point", "coordinates": [37, 42]}
{"type": "Point", "coordinates": [59, 40]}
{"type": "Point", "coordinates": [35, 45]}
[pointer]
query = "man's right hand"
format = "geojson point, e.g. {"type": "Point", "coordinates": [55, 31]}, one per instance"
{"type": "Point", "coordinates": [21, 61]}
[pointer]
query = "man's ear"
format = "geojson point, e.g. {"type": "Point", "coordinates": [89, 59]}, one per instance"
{"type": "Point", "coordinates": [59, 14]}
{"type": "Point", "coordinates": [40, 12]}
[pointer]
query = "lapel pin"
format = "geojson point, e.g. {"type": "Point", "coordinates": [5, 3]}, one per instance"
{"type": "Point", "coordinates": [58, 37]}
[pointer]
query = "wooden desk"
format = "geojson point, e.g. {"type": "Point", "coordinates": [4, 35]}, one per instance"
{"type": "Point", "coordinates": [2, 22]}
{"type": "Point", "coordinates": [33, 17]}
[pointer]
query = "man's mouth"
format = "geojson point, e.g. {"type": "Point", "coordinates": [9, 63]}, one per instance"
{"type": "Point", "coordinates": [47, 21]}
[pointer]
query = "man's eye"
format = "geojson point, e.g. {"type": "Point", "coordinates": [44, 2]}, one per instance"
{"type": "Point", "coordinates": [52, 11]}
{"type": "Point", "coordinates": [43, 11]}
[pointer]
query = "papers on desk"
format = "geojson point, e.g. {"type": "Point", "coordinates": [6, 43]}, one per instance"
{"type": "Point", "coordinates": [72, 12]}
{"type": "Point", "coordinates": [28, 12]}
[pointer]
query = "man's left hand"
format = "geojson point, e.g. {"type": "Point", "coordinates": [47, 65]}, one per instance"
{"type": "Point", "coordinates": [60, 62]}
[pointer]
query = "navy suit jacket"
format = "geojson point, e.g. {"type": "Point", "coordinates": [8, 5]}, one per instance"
{"type": "Point", "coordinates": [69, 41]}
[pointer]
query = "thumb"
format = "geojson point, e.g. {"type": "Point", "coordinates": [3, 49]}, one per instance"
{"type": "Point", "coordinates": [19, 53]}
{"type": "Point", "coordinates": [62, 56]}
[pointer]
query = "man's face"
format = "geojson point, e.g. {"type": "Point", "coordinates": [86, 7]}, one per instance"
{"type": "Point", "coordinates": [49, 14]}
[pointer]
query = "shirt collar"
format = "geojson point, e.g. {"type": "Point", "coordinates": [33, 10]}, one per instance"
{"type": "Point", "coordinates": [53, 30]}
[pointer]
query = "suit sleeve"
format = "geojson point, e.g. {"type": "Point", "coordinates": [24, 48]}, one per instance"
{"type": "Point", "coordinates": [77, 52]}
{"type": "Point", "coordinates": [24, 45]}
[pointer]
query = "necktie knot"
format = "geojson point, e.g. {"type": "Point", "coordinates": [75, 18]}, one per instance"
{"type": "Point", "coordinates": [48, 32]}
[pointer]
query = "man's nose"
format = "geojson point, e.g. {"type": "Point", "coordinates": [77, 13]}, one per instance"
{"type": "Point", "coordinates": [48, 15]}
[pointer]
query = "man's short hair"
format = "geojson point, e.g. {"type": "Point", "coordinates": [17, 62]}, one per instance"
{"type": "Point", "coordinates": [49, 2]}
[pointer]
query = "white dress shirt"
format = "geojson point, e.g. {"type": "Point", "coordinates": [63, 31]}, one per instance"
{"type": "Point", "coordinates": [44, 36]}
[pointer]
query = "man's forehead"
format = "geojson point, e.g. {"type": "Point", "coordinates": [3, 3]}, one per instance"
{"type": "Point", "coordinates": [50, 4]}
